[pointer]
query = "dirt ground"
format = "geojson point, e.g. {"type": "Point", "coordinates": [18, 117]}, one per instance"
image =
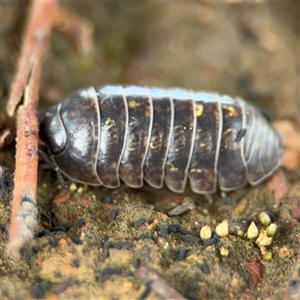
{"type": "Point", "coordinates": [90, 240]}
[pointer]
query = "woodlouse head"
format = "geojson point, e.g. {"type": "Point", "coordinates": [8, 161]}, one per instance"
{"type": "Point", "coordinates": [52, 130]}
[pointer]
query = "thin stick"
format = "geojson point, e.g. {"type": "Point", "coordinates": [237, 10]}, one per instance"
{"type": "Point", "coordinates": [157, 283]}
{"type": "Point", "coordinates": [26, 83]}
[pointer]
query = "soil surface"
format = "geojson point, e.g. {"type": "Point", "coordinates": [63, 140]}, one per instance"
{"type": "Point", "coordinates": [90, 241]}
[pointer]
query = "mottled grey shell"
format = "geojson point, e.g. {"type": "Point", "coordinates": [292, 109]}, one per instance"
{"type": "Point", "coordinates": [99, 136]}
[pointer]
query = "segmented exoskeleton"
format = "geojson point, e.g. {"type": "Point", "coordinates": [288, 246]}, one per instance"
{"type": "Point", "coordinates": [99, 136]}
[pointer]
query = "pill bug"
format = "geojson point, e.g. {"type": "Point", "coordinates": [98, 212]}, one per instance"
{"type": "Point", "coordinates": [99, 136]}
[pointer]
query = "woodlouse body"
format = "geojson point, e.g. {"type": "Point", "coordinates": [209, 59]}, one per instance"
{"type": "Point", "coordinates": [97, 136]}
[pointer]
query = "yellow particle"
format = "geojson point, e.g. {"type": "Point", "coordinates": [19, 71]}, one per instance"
{"type": "Point", "coordinates": [271, 229]}
{"type": "Point", "coordinates": [264, 218]}
{"type": "Point", "coordinates": [267, 255]}
{"type": "Point", "coordinates": [73, 187]}
{"type": "Point", "coordinates": [234, 282]}
{"type": "Point", "coordinates": [252, 231]}
{"type": "Point", "coordinates": [50, 296]}
{"type": "Point", "coordinates": [224, 252]}
{"type": "Point", "coordinates": [222, 229]}
{"type": "Point", "coordinates": [205, 211]}
{"type": "Point", "coordinates": [195, 170]}
{"type": "Point", "coordinates": [133, 104]}
{"type": "Point", "coordinates": [240, 233]}
{"type": "Point", "coordinates": [266, 241]}
{"type": "Point", "coordinates": [205, 233]}
{"type": "Point", "coordinates": [199, 110]}
{"type": "Point", "coordinates": [62, 242]}
{"type": "Point", "coordinates": [80, 190]}
{"type": "Point", "coordinates": [263, 240]}
{"type": "Point", "coordinates": [231, 111]}
{"type": "Point", "coordinates": [127, 285]}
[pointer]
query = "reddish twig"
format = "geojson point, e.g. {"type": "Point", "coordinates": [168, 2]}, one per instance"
{"type": "Point", "coordinates": [26, 84]}
{"type": "Point", "coordinates": [157, 283]}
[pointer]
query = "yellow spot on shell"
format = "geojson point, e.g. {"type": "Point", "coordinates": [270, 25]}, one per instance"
{"type": "Point", "coordinates": [109, 123]}
{"type": "Point", "coordinates": [199, 110]}
{"type": "Point", "coordinates": [231, 111]}
{"type": "Point", "coordinates": [194, 170]}
{"type": "Point", "coordinates": [173, 168]}
{"type": "Point", "coordinates": [133, 104]}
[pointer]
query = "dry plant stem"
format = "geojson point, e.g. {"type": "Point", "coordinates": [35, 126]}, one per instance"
{"type": "Point", "coordinates": [157, 283]}
{"type": "Point", "coordinates": [26, 83]}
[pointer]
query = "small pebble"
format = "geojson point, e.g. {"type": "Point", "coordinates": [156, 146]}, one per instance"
{"type": "Point", "coordinates": [162, 243]}
{"type": "Point", "coordinates": [190, 238]}
{"type": "Point", "coordinates": [205, 233]}
{"type": "Point", "coordinates": [45, 232]}
{"type": "Point", "coordinates": [143, 236]}
{"type": "Point", "coordinates": [291, 282]}
{"type": "Point", "coordinates": [184, 231]}
{"type": "Point", "coordinates": [284, 252]}
{"type": "Point", "coordinates": [121, 245]}
{"type": "Point", "coordinates": [213, 240]}
{"type": "Point", "coordinates": [140, 222]}
{"type": "Point", "coordinates": [113, 213]}
{"type": "Point", "coordinates": [47, 217]}
{"type": "Point", "coordinates": [107, 199]}
{"type": "Point", "coordinates": [187, 204]}
{"type": "Point", "coordinates": [59, 228]}
{"type": "Point", "coordinates": [52, 243]}
{"type": "Point", "coordinates": [106, 245]}
{"type": "Point", "coordinates": [271, 229]}
{"type": "Point", "coordinates": [173, 228]}
{"type": "Point", "coordinates": [80, 222]}
{"type": "Point", "coordinates": [222, 229]}
{"type": "Point", "coordinates": [36, 291]}
{"type": "Point", "coordinates": [110, 271]}
{"type": "Point", "coordinates": [75, 263]}
{"type": "Point", "coordinates": [77, 241]}
{"type": "Point", "coordinates": [252, 231]}
{"type": "Point", "coordinates": [164, 230]}
{"type": "Point", "coordinates": [181, 254]}
{"type": "Point", "coordinates": [264, 218]}
{"type": "Point", "coordinates": [136, 262]}
{"type": "Point", "coordinates": [205, 268]}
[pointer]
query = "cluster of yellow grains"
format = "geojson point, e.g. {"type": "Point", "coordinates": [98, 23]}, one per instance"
{"type": "Point", "coordinates": [262, 237]}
